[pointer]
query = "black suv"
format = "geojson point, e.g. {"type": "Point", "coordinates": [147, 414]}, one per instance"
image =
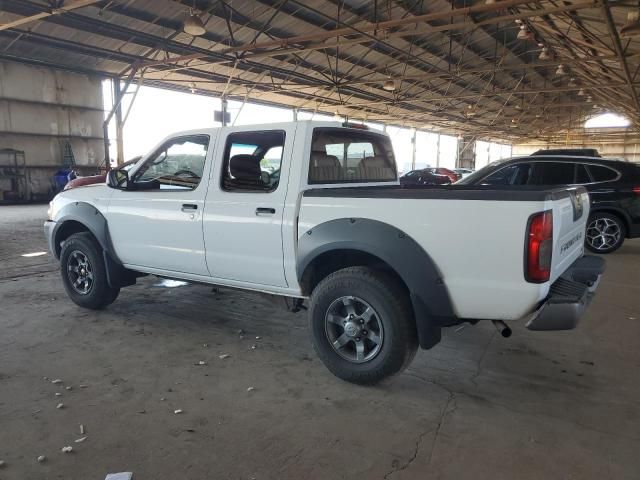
{"type": "Point", "coordinates": [613, 185]}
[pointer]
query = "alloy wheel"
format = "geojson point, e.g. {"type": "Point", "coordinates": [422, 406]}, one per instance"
{"type": "Point", "coordinates": [603, 234]}
{"type": "Point", "coordinates": [80, 272]}
{"type": "Point", "coordinates": [354, 329]}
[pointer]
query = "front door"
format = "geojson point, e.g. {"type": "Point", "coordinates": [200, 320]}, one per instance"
{"type": "Point", "coordinates": [157, 221]}
{"type": "Point", "coordinates": [245, 204]}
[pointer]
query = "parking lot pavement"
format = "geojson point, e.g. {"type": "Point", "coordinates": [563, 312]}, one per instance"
{"type": "Point", "coordinates": [538, 405]}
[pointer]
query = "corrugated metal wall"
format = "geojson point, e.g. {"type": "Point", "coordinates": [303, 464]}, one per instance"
{"type": "Point", "coordinates": [40, 109]}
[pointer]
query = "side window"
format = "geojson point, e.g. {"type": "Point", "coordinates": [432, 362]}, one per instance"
{"type": "Point", "coordinates": [512, 175]}
{"type": "Point", "coordinates": [553, 173]}
{"type": "Point", "coordinates": [176, 165]}
{"type": "Point", "coordinates": [252, 161]}
{"type": "Point", "coordinates": [582, 175]}
{"type": "Point", "coordinates": [340, 155]}
{"type": "Point", "coordinates": [602, 174]}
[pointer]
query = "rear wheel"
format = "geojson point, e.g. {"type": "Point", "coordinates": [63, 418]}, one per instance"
{"type": "Point", "coordinates": [84, 274]}
{"type": "Point", "coordinates": [605, 232]}
{"type": "Point", "coordinates": [362, 326]}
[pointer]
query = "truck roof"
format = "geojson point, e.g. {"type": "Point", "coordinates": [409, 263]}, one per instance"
{"type": "Point", "coordinates": [275, 126]}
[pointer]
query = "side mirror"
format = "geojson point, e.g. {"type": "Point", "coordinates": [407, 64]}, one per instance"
{"type": "Point", "coordinates": [118, 179]}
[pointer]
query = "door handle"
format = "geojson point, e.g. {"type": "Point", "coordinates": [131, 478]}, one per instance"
{"type": "Point", "coordinates": [189, 207]}
{"type": "Point", "coordinates": [265, 211]}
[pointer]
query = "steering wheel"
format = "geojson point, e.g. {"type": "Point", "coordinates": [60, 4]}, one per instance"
{"type": "Point", "coordinates": [186, 172]}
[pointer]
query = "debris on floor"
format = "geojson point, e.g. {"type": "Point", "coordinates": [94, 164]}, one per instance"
{"type": "Point", "coordinates": [177, 412]}
{"type": "Point", "coordinates": [68, 388]}
{"type": "Point", "coordinates": [81, 429]}
{"type": "Point", "coordinates": [223, 356]}
{"type": "Point", "coordinates": [251, 389]}
{"type": "Point", "coordinates": [67, 449]}
{"type": "Point", "coordinates": [59, 406]}
{"type": "Point", "coordinates": [201, 363]}
{"type": "Point", "coordinates": [41, 459]}
{"type": "Point", "coordinates": [57, 381]}
{"type": "Point", "coordinates": [119, 476]}
{"type": "Point", "coordinates": [2, 464]}
{"type": "Point", "coordinates": [80, 440]}
{"type": "Point", "coordinates": [58, 394]}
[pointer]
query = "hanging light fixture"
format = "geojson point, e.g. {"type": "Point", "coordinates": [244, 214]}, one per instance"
{"type": "Point", "coordinates": [193, 25]}
{"type": "Point", "coordinates": [389, 85]}
{"type": "Point", "coordinates": [561, 71]}
{"type": "Point", "coordinates": [572, 82]}
{"type": "Point", "coordinates": [581, 92]}
{"type": "Point", "coordinates": [514, 123]}
{"type": "Point", "coordinates": [524, 33]}
{"type": "Point", "coordinates": [544, 54]}
{"type": "Point", "coordinates": [192, 87]}
{"type": "Point", "coordinates": [470, 111]}
{"type": "Point", "coordinates": [632, 27]}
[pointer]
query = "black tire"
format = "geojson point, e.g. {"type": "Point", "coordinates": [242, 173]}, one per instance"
{"type": "Point", "coordinates": [98, 292]}
{"type": "Point", "coordinates": [605, 233]}
{"type": "Point", "coordinates": [392, 308]}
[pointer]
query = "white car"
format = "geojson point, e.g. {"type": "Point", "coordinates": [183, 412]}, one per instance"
{"type": "Point", "coordinates": [313, 212]}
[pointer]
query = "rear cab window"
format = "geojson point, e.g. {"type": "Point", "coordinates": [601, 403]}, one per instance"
{"type": "Point", "coordinates": [343, 155]}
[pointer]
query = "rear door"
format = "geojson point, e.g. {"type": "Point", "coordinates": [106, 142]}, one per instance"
{"type": "Point", "coordinates": [245, 205]}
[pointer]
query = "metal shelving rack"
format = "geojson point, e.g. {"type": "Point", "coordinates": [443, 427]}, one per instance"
{"type": "Point", "coordinates": [14, 180]}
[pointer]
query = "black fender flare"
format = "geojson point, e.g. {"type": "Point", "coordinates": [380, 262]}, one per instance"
{"type": "Point", "coordinates": [429, 296]}
{"type": "Point", "coordinates": [90, 217]}
{"type": "Point", "coordinates": [93, 220]}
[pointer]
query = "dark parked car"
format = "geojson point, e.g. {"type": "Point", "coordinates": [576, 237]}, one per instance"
{"type": "Point", "coordinates": [613, 185]}
{"type": "Point", "coordinates": [417, 178]}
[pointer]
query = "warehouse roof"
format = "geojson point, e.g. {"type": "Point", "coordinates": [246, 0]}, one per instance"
{"type": "Point", "coordinates": [507, 69]}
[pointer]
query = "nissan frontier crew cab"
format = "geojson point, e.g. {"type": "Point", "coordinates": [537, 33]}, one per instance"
{"type": "Point", "coordinates": [313, 212]}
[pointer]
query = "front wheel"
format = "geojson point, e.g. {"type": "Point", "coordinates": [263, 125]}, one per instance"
{"type": "Point", "coordinates": [605, 233]}
{"type": "Point", "coordinates": [362, 325]}
{"type": "Point", "coordinates": [84, 274]}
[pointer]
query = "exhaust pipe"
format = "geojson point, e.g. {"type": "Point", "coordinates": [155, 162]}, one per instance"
{"type": "Point", "coordinates": [502, 327]}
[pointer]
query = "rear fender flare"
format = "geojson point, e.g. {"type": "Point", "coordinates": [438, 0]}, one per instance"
{"type": "Point", "coordinates": [429, 296]}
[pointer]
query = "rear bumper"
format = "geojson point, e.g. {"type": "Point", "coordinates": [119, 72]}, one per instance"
{"type": "Point", "coordinates": [569, 296]}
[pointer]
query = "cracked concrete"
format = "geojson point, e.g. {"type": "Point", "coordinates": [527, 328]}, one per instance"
{"type": "Point", "coordinates": [477, 406]}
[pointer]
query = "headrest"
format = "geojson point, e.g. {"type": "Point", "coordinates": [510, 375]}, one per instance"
{"type": "Point", "coordinates": [245, 167]}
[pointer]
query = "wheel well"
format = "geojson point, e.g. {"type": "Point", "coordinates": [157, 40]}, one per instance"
{"type": "Point", "coordinates": [67, 229]}
{"type": "Point", "coordinates": [616, 213]}
{"type": "Point", "coordinates": [334, 260]}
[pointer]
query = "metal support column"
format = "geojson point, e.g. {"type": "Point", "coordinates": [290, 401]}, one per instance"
{"type": "Point", "coordinates": [119, 125]}
{"type": "Point", "coordinates": [413, 149]}
{"type": "Point", "coordinates": [224, 112]}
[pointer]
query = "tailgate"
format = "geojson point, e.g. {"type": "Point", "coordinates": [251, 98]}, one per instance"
{"type": "Point", "coordinates": [570, 214]}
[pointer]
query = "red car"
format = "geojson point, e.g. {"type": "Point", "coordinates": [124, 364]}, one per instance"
{"type": "Point", "coordinates": [93, 179]}
{"type": "Point", "coordinates": [453, 176]}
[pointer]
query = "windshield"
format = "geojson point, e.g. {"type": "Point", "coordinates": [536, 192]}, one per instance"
{"type": "Point", "coordinates": [480, 174]}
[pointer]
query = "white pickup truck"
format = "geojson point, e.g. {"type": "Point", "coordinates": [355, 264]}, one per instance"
{"type": "Point", "coordinates": [313, 212]}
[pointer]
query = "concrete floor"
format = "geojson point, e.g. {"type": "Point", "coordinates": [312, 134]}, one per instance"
{"type": "Point", "coordinates": [536, 406]}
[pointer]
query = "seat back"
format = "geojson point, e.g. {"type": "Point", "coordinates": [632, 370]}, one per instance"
{"type": "Point", "coordinates": [375, 167]}
{"type": "Point", "coordinates": [324, 168]}
{"type": "Point", "coordinates": [246, 172]}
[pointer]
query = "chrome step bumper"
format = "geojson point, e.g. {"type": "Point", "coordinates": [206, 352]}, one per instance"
{"type": "Point", "coordinates": [569, 296]}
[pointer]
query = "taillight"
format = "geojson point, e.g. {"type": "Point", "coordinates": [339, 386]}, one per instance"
{"type": "Point", "coordinates": [539, 247]}
{"type": "Point", "coordinates": [636, 190]}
